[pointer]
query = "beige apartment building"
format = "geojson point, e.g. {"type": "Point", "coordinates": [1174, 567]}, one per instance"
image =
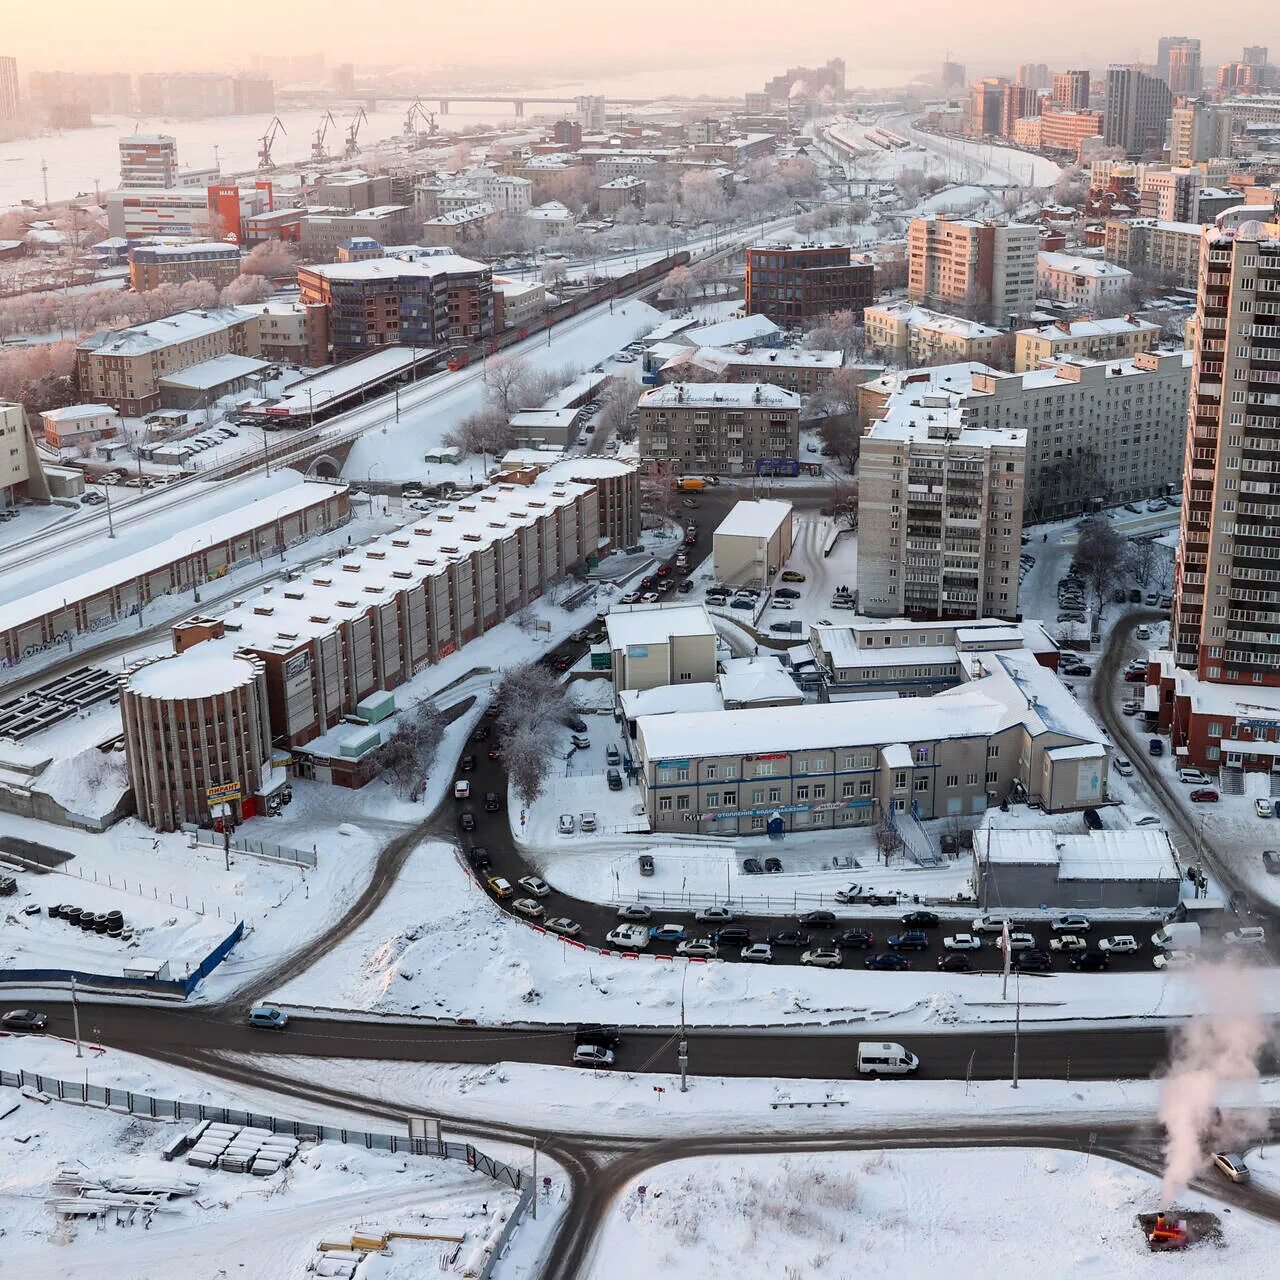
{"type": "Point", "coordinates": [719, 428]}
{"type": "Point", "coordinates": [1117, 338]}
{"type": "Point", "coordinates": [660, 644]}
{"type": "Point", "coordinates": [1170, 249]}
{"type": "Point", "coordinates": [792, 368]}
{"type": "Point", "coordinates": [752, 542]}
{"type": "Point", "coordinates": [1108, 429]}
{"type": "Point", "coordinates": [123, 367]}
{"type": "Point", "coordinates": [905, 334]}
{"type": "Point", "coordinates": [987, 269]}
{"type": "Point", "coordinates": [939, 516]}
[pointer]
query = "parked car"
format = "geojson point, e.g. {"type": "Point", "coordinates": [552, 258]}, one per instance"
{"type": "Point", "coordinates": [1123, 766]}
{"type": "Point", "coordinates": [1248, 936]}
{"type": "Point", "coordinates": [1263, 807]}
{"type": "Point", "coordinates": [887, 960]}
{"type": "Point", "coordinates": [1146, 820]}
{"type": "Point", "coordinates": [530, 907]}
{"type": "Point", "coordinates": [1155, 747]}
{"type": "Point", "coordinates": [1021, 942]}
{"type": "Point", "coordinates": [634, 911]}
{"type": "Point", "coordinates": [1271, 861]}
{"type": "Point", "coordinates": [1194, 777]}
{"type": "Point", "coordinates": [789, 938]}
{"type": "Point", "coordinates": [818, 920]}
{"type": "Point", "coordinates": [851, 894]}
{"type": "Point", "coordinates": [592, 1055]}
{"type": "Point", "coordinates": [645, 863]}
{"type": "Point", "coordinates": [751, 867]}
{"type": "Point", "coordinates": [1231, 1165]}
{"type": "Point", "coordinates": [568, 824]}
{"type": "Point", "coordinates": [955, 962]}
{"type": "Point", "coordinates": [562, 925]}
{"type": "Point", "coordinates": [667, 933]}
{"type": "Point", "coordinates": [29, 1021]}
{"type": "Point", "coordinates": [714, 915]}
{"type": "Point", "coordinates": [1068, 942]}
{"type": "Point", "coordinates": [479, 858]}
{"type": "Point", "coordinates": [772, 865]}
{"type": "Point", "coordinates": [733, 935]}
{"type": "Point", "coordinates": [909, 940]}
{"type": "Point", "coordinates": [1205, 795]}
{"type": "Point", "coordinates": [823, 958]}
{"type": "Point", "coordinates": [614, 779]}
{"type": "Point", "coordinates": [962, 942]}
{"type": "Point", "coordinates": [920, 920]}
{"type": "Point", "coordinates": [1072, 922]}
{"type": "Point", "coordinates": [1036, 961]}
{"type": "Point", "coordinates": [704, 948]}
{"type": "Point", "coordinates": [992, 922]}
{"type": "Point", "coordinates": [1120, 944]}
{"type": "Point", "coordinates": [792, 575]}
{"type": "Point", "coordinates": [861, 939]}
{"type": "Point", "coordinates": [1175, 959]}
{"type": "Point", "coordinates": [757, 952]}
{"type": "Point", "coordinates": [534, 885]}
{"type": "Point", "coordinates": [1091, 961]}
{"type": "Point", "coordinates": [500, 887]}
{"type": "Point", "coordinates": [266, 1017]}
{"type": "Point", "coordinates": [787, 593]}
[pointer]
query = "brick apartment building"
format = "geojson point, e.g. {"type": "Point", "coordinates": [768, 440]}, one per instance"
{"type": "Point", "coordinates": [150, 266]}
{"type": "Point", "coordinates": [795, 286]}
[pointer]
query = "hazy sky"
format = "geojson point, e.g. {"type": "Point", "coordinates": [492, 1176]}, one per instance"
{"type": "Point", "coordinates": [134, 35]}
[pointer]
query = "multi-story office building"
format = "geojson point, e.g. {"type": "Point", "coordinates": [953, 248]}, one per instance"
{"type": "Point", "coordinates": [1066, 130]}
{"type": "Point", "coordinates": [149, 160]}
{"type": "Point", "coordinates": [428, 299]}
{"type": "Point", "coordinates": [793, 286]}
{"type": "Point", "coordinates": [1198, 131]}
{"type": "Point", "coordinates": [906, 334]}
{"type": "Point", "coordinates": [1108, 429]}
{"type": "Point", "coordinates": [1032, 75]}
{"type": "Point", "coordinates": [986, 107]}
{"type": "Point", "coordinates": [986, 270]}
{"type": "Point", "coordinates": [1018, 101]}
{"type": "Point", "coordinates": [1183, 67]}
{"type": "Point", "coordinates": [1225, 612]}
{"type": "Point", "coordinates": [1071, 90]}
{"type": "Point", "coordinates": [187, 212]}
{"type": "Point", "coordinates": [150, 266]}
{"type": "Point", "coordinates": [10, 93]}
{"type": "Point", "coordinates": [1137, 107]}
{"type": "Point", "coordinates": [1114, 339]}
{"type": "Point", "coordinates": [1169, 249]}
{"type": "Point", "coordinates": [720, 428]}
{"type": "Point", "coordinates": [123, 367]}
{"type": "Point", "coordinates": [323, 233]}
{"type": "Point", "coordinates": [1092, 284]}
{"type": "Point", "coordinates": [939, 517]}
{"type": "Point", "coordinates": [352, 190]}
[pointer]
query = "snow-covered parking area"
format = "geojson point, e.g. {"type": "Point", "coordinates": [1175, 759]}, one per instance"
{"type": "Point", "coordinates": [967, 1214]}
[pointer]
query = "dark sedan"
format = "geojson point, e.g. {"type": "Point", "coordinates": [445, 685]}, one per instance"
{"type": "Point", "coordinates": [818, 919]}
{"type": "Point", "coordinates": [856, 938]}
{"type": "Point", "coordinates": [1034, 961]}
{"type": "Point", "coordinates": [920, 920]}
{"type": "Point", "coordinates": [491, 802]}
{"type": "Point", "coordinates": [955, 962]}
{"type": "Point", "coordinates": [733, 935]}
{"type": "Point", "coordinates": [467, 820]}
{"type": "Point", "coordinates": [887, 960]}
{"type": "Point", "coordinates": [911, 940]}
{"type": "Point", "coordinates": [790, 938]}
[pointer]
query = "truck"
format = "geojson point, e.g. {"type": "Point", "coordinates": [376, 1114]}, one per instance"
{"type": "Point", "coordinates": [690, 484]}
{"type": "Point", "coordinates": [1176, 936]}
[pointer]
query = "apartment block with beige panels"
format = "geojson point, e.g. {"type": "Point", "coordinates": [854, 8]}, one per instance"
{"type": "Point", "coordinates": [1111, 339]}
{"type": "Point", "coordinates": [906, 334]}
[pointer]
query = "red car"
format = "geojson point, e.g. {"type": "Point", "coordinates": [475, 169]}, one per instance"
{"type": "Point", "coordinates": [1206, 795]}
{"type": "Point", "coordinates": [1135, 677]}
{"type": "Point", "coordinates": [690, 539]}
{"type": "Point", "coordinates": [663, 570]}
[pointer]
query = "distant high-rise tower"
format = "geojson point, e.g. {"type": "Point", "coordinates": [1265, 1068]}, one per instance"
{"type": "Point", "coordinates": [1033, 75]}
{"type": "Point", "coordinates": [1071, 90]}
{"type": "Point", "coordinates": [10, 101]}
{"type": "Point", "coordinates": [1162, 55]}
{"type": "Point", "coordinates": [1184, 76]}
{"type": "Point", "coordinates": [149, 160]}
{"type": "Point", "coordinates": [952, 76]}
{"type": "Point", "coordinates": [1255, 55]}
{"type": "Point", "coordinates": [1137, 107]}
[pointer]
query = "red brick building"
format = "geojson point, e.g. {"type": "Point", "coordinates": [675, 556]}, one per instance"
{"type": "Point", "coordinates": [796, 285]}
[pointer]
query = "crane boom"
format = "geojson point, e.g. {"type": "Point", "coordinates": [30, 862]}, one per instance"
{"type": "Point", "coordinates": [267, 141]}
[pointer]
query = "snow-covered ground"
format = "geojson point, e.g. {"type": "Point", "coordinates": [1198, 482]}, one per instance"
{"type": "Point", "coordinates": [965, 1213]}
{"type": "Point", "coordinates": [235, 1223]}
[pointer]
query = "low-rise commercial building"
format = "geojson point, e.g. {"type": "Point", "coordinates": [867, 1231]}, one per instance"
{"type": "Point", "coordinates": [627, 192]}
{"type": "Point", "coordinates": [795, 286]}
{"type": "Point", "coordinates": [78, 425]}
{"type": "Point", "coordinates": [458, 226]}
{"type": "Point", "coordinates": [721, 428]}
{"type": "Point", "coordinates": [752, 542]}
{"type": "Point", "coordinates": [1088, 283]}
{"type": "Point", "coordinates": [1117, 338]}
{"type": "Point", "coordinates": [939, 516]}
{"type": "Point", "coordinates": [657, 645]}
{"type": "Point", "coordinates": [321, 234]}
{"type": "Point", "coordinates": [1064, 131]}
{"type": "Point", "coordinates": [517, 303]}
{"type": "Point", "coordinates": [150, 266]}
{"type": "Point", "coordinates": [1009, 732]}
{"type": "Point", "coordinates": [905, 334]}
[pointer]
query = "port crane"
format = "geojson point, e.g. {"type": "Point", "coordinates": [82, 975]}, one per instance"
{"type": "Point", "coordinates": [353, 134]}
{"type": "Point", "coordinates": [267, 141]}
{"type": "Point", "coordinates": [416, 113]}
{"type": "Point", "coordinates": [317, 146]}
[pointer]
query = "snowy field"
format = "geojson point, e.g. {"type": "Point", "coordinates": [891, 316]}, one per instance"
{"type": "Point", "coordinates": [419, 952]}
{"type": "Point", "coordinates": [966, 1214]}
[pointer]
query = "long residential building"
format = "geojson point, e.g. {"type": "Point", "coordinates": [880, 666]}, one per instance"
{"type": "Point", "coordinates": [1119, 337]}
{"type": "Point", "coordinates": [985, 269]}
{"type": "Point", "coordinates": [907, 334]}
{"type": "Point", "coordinates": [343, 634]}
{"type": "Point", "coordinates": [1169, 250]}
{"type": "Point", "coordinates": [939, 516]}
{"type": "Point", "coordinates": [1105, 429]}
{"type": "Point", "coordinates": [150, 266]}
{"type": "Point", "coordinates": [720, 428]}
{"type": "Point", "coordinates": [1090, 283]}
{"type": "Point", "coordinates": [426, 299]}
{"type": "Point", "coordinates": [1007, 729]}
{"type": "Point", "coordinates": [123, 367]}
{"type": "Point", "coordinates": [792, 368]}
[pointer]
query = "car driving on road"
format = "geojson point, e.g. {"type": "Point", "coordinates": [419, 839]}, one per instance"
{"type": "Point", "coordinates": [27, 1020]}
{"type": "Point", "coordinates": [887, 960]}
{"type": "Point", "coordinates": [823, 958]}
{"type": "Point", "coordinates": [534, 885]}
{"type": "Point", "coordinates": [562, 925]}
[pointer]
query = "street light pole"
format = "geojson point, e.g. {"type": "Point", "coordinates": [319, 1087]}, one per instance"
{"type": "Point", "coordinates": [683, 1053]}
{"type": "Point", "coordinates": [1017, 1025]}
{"type": "Point", "coordinates": [75, 1016]}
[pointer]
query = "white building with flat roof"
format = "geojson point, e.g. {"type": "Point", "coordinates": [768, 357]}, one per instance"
{"type": "Point", "coordinates": [752, 542]}
{"type": "Point", "coordinates": [661, 644]}
{"type": "Point", "coordinates": [1088, 283]}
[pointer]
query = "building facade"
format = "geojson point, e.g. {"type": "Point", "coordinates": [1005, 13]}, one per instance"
{"type": "Point", "coordinates": [1198, 131]}
{"type": "Point", "coordinates": [1137, 107]}
{"type": "Point", "coordinates": [753, 542]}
{"type": "Point", "coordinates": [1092, 284]}
{"type": "Point", "coordinates": [1118, 338]}
{"type": "Point", "coordinates": [1170, 250]}
{"type": "Point", "coordinates": [906, 334]}
{"type": "Point", "coordinates": [1065, 131]}
{"type": "Point", "coordinates": [986, 270]}
{"type": "Point", "coordinates": [1071, 90]}
{"type": "Point", "coordinates": [794, 286]}
{"type": "Point", "coordinates": [150, 266]}
{"type": "Point", "coordinates": [149, 160]}
{"type": "Point", "coordinates": [720, 428]}
{"type": "Point", "coordinates": [939, 518]}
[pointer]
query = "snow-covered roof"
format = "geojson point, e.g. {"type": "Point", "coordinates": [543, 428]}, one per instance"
{"type": "Point", "coordinates": [1065, 330]}
{"type": "Point", "coordinates": [198, 672]}
{"type": "Point", "coordinates": [754, 518]}
{"type": "Point", "coordinates": [1140, 854]}
{"type": "Point", "coordinates": [718, 358]}
{"type": "Point", "coordinates": [759, 681]}
{"type": "Point", "coordinates": [544, 418]}
{"type": "Point", "coordinates": [655, 624]}
{"type": "Point", "coordinates": [218, 248]}
{"type": "Point", "coordinates": [667, 699]}
{"type": "Point", "coordinates": [349, 376]}
{"type": "Point", "coordinates": [934, 321]}
{"type": "Point", "coordinates": [727, 333]}
{"type": "Point", "coordinates": [215, 372]}
{"type": "Point", "coordinates": [156, 334]}
{"type": "Point", "coordinates": [74, 412]}
{"type": "Point", "coordinates": [729, 395]}
{"type": "Point", "coordinates": [1073, 264]}
{"type": "Point", "coordinates": [469, 213]}
{"type": "Point", "coordinates": [624, 183]}
{"type": "Point", "coordinates": [590, 468]}
{"type": "Point", "coordinates": [845, 655]}
{"type": "Point", "coordinates": [433, 264]}
{"type": "Point", "coordinates": [1033, 695]}
{"type": "Point", "coordinates": [668, 329]}
{"type": "Point", "coordinates": [919, 424]}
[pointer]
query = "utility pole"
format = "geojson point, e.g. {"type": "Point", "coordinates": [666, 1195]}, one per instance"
{"type": "Point", "coordinates": [535, 1178]}
{"type": "Point", "coordinates": [682, 1055]}
{"type": "Point", "coordinates": [1017, 1027]}
{"type": "Point", "coordinates": [44, 176]}
{"type": "Point", "coordinates": [75, 1016]}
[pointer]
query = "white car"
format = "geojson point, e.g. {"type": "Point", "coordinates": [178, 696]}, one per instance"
{"type": "Point", "coordinates": [568, 824]}
{"type": "Point", "coordinates": [848, 895]}
{"type": "Point", "coordinates": [1070, 924]}
{"type": "Point", "coordinates": [462, 789]}
{"type": "Point", "coordinates": [1174, 959]}
{"type": "Point", "coordinates": [1146, 820]}
{"type": "Point", "coordinates": [1123, 766]}
{"type": "Point", "coordinates": [760, 952]}
{"type": "Point", "coordinates": [534, 885]}
{"type": "Point", "coordinates": [703, 947]}
{"type": "Point", "coordinates": [1131, 707]}
{"type": "Point", "coordinates": [1263, 807]}
{"type": "Point", "coordinates": [1249, 936]}
{"type": "Point", "coordinates": [714, 915]}
{"type": "Point", "coordinates": [530, 907]}
{"type": "Point", "coordinates": [1122, 944]}
{"type": "Point", "coordinates": [1068, 942]}
{"type": "Point", "coordinates": [633, 937]}
{"type": "Point", "coordinates": [631, 597]}
{"type": "Point", "coordinates": [992, 923]}
{"type": "Point", "coordinates": [1194, 778]}
{"type": "Point", "coordinates": [562, 925]}
{"type": "Point", "coordinates": [1020, 942]}
{"type": "Point", "coordinates": [823, 958]}
{"type": "Point", "coordinates": [592, 1055]}
{"type": "Point", "coordinates": [962, 942]}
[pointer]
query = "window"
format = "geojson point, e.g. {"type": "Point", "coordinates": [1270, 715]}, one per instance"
{"type": "Point", "coordinates": [971, 779]}
{"type": "Point", "coordinates": [953, 780]}
{"type": "Point", "coordinates": [819, 790]}
{"type": "Point", "coordinates": [864, 787]}
{"type": "Point", "coordinates": [765, 768]}
{"type": "Point", "coordinates": [682, 802]}
{"type": "Point", "coordinates": [802, 792]}
{"type": "Point", "coordinates": [664, 804]}
{"type": "Point", "coordinates": [757, 796]}
{"type": "Point", "coordinates": [682, 775]}
{"type": "Point", "coordinates": [775, 795]}
{"type": "Point", "coordinates": [922, 784]}
{"type": "Point", "coordinates": [846, 790]}
{"type": "Point", "coordinates": [922, 755]}
{"type": "Point", "coordinates": [730, 797]}
{"type": "Point", "coordinates": [993, 752]}
{"type": "Point", "coordinates": [899, 780]}
{"type": "Point", "coordinates": [992, 775]}
{"type": "Point", "coordinates": [711, 772]}
{"type": "Point", "coordinates": [802, 765]}
{"type": "Point", "coordinates": [757, 824]}
{"type": "Point", "coordinates": [713, 799]}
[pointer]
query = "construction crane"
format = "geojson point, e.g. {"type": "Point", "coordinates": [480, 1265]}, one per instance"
{"type": "Point", "coordinates": [317, 146]}
{"type": "Point", "coordinates": [415, 113]}
{"type": "Point", "coordinates": [267, 141]}
{"type": "Point", "coordinates": [353, 133]}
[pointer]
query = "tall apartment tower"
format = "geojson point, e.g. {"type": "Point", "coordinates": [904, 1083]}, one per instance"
{"type": "Point", "coordinates": [149, 160]}
{"type": "Point", "coordinates": [1071, 90]}
{"type": "Point", "coordinates": [1033, 75]}
{"type": "Point", "coordinates": [1226, 606]}
{"type": "Point", "coordinates": [952, 75]}
{"type": "Point", "coordinates": [1184, 68]}
{"type": "Point", "coordinates": [986, 105]}
{"type": "Point", "coordinates": [1198, 131]}
{"type": "Point", "coordinates": [1165, 44]}
{"type": "Point", "coordinates": [10, 99]}
{"type": "Point", "coordinates": [1137, 107]}
{"type": "Point", "coordinates": [983, 270]}
{"type": "Point", "coordinates": [1255, 55]}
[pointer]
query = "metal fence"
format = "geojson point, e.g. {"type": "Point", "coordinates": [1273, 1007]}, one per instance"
{"type": "Point", "coordinates": [255, 848]}
{"type": "Point", "coordinates": [500, 1246]}
{"type": "Point", "coordinates": [143, 1104]}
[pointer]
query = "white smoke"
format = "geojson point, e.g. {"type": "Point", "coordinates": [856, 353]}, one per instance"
{"type": "Point", "coordinates": [799, 89]}
{"type": "Point", "coordinates": [1214, 1054]}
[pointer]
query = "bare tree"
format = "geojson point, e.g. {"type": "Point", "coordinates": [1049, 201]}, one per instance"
{"type": "Point", "coordinates": [619, 402]}
{"type": "Point", "coordinates": [503, 378]}
{"type": "Point", "coordinates": [1100, 554]}
{"type": "Point", "coordinates": [271, 258]}
{"type": "Point", "coordinates": [844, 505]}
{"type": "Point", "coordinates": [1141, 560]}
{"type": "Point", "coordinates": [486, 431]}
{"type": "Point", "coordinates": [679, 284]}
{"type": "Point", "coordinates": [530, 701]}
{"type": "Point", "coordinates": [246, 290]}
{"type": "Point", "coordinates": [841, 439]}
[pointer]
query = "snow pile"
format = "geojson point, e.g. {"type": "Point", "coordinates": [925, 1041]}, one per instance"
{"type": "Point", "coordinates": [90, 783]}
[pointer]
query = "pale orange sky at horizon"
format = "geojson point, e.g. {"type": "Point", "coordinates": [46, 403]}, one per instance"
{"type": "Point", "coordinates": [572, 35]}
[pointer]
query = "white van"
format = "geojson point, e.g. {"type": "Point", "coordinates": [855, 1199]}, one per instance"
{"type": "Point", "coordinates": [631, 937]}
{"type": "Point", "coordinates": [883, 1059]}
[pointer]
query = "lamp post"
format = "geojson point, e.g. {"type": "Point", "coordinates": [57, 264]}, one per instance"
{"type": "Point", "coordinates": [280, 531]}
{"type": "Point", "coordinates": [682, 1054]}
{"type": "Point", "coordinates": [195, 581]}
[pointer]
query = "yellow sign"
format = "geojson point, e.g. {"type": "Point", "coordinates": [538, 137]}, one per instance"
{"type": "Point", "coordinates": [223, 792]}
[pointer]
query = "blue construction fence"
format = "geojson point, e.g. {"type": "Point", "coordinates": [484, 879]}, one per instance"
{"type": "Point", "coordinates": [182, 987]}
